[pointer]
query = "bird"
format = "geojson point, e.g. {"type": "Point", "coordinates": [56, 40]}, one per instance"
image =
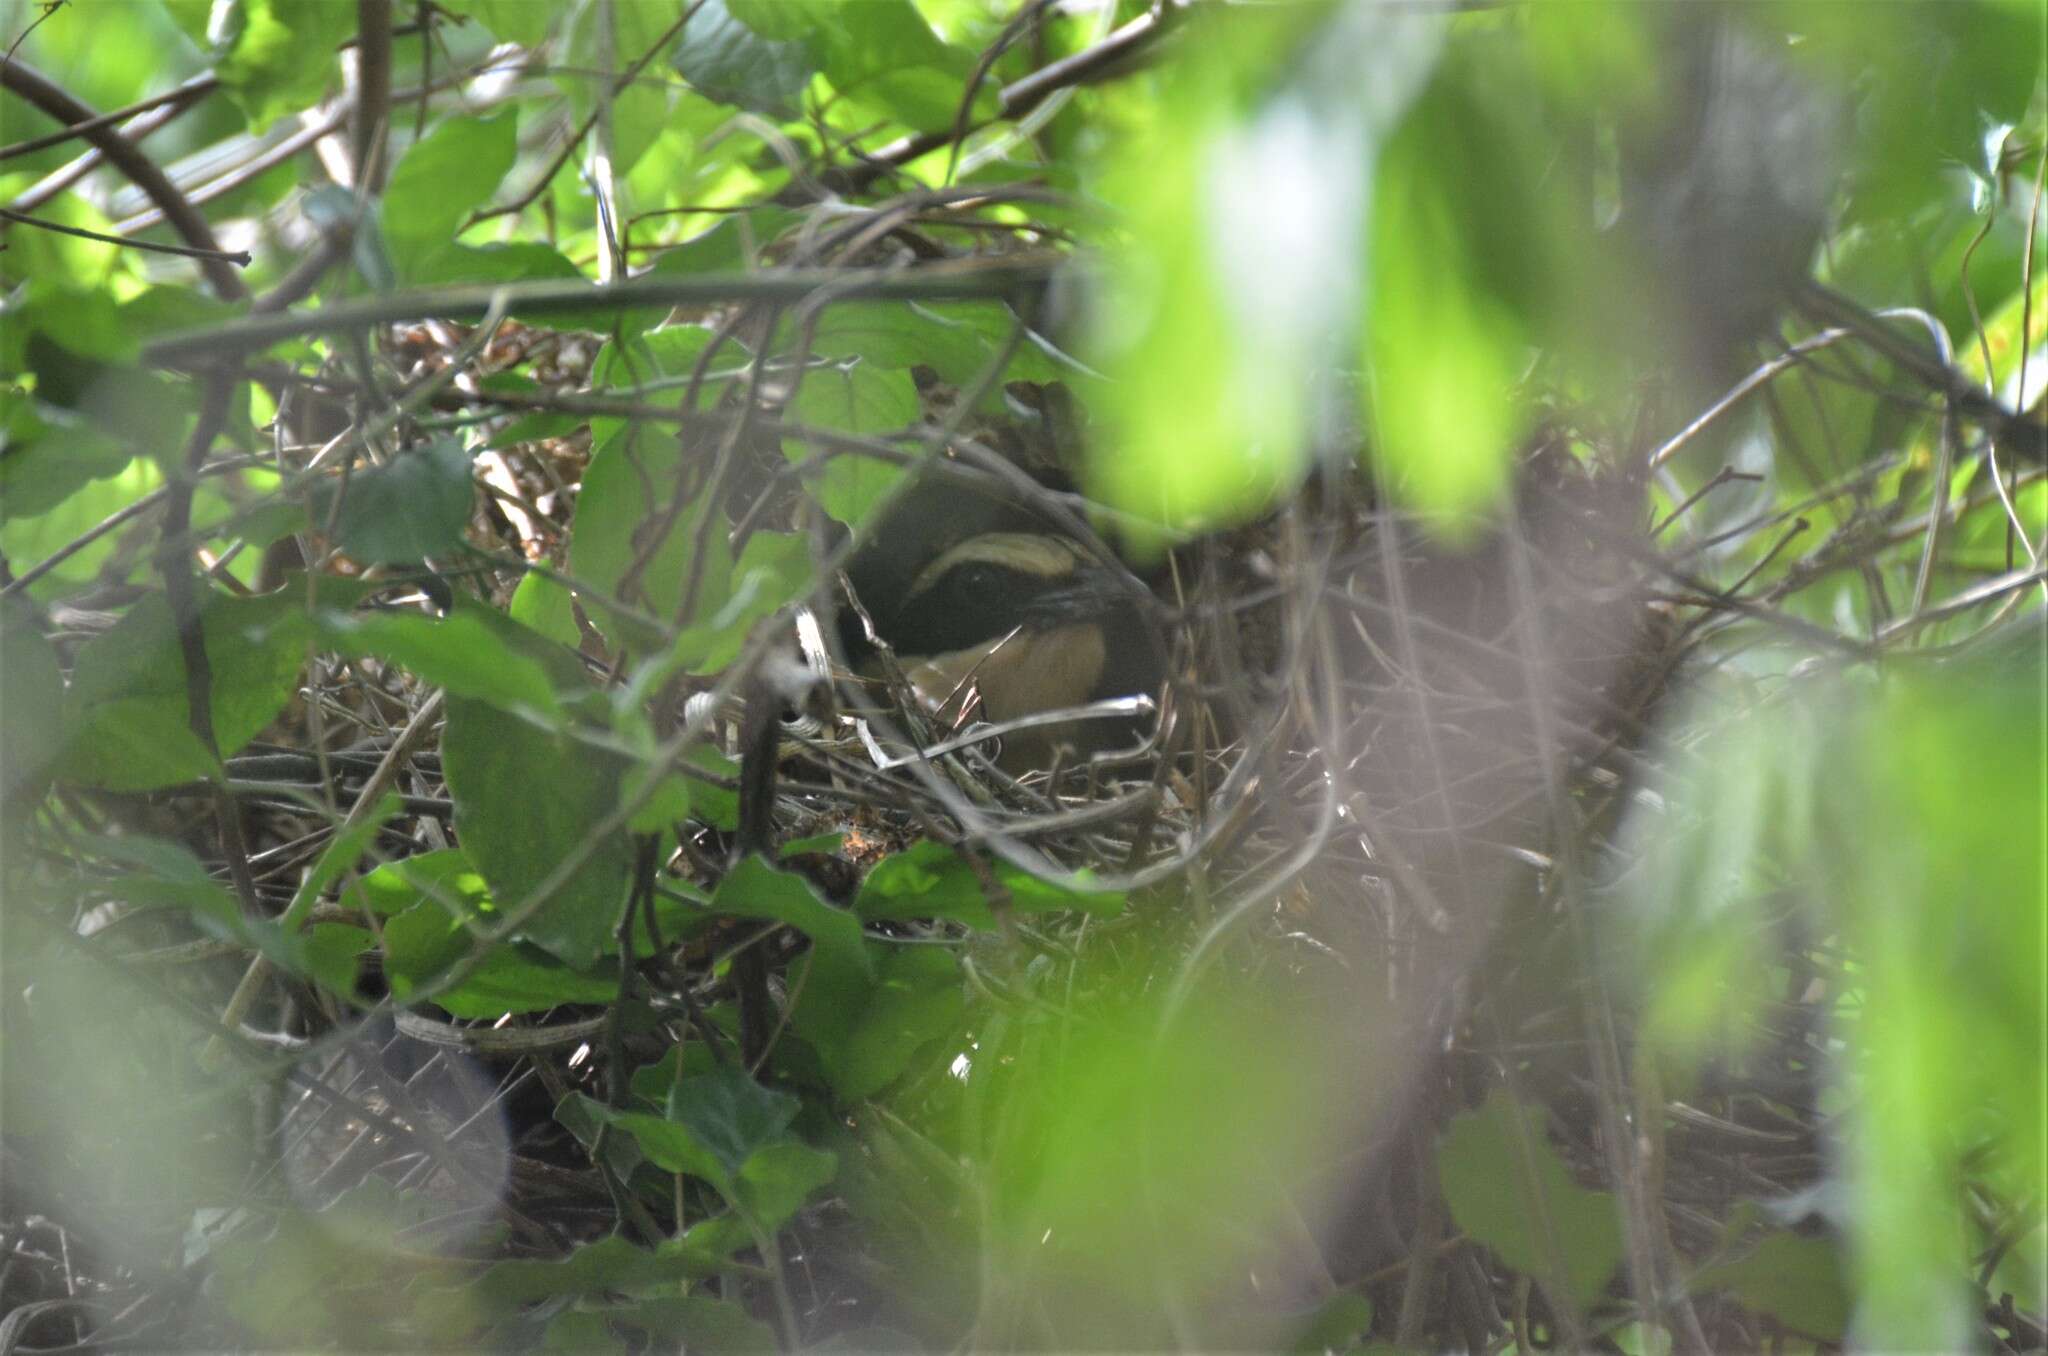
{"type": "Point", "coordinates": [1004, 624]}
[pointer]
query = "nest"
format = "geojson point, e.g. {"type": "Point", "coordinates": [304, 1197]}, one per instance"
{"type": "Point", "coordinates": [1385, 780]}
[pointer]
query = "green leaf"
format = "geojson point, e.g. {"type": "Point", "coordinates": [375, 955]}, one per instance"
{"type": "Point", "coordinates": [85, 322]}
{"type": "Point", "coordinates": [343, 851]}
{"type": "Point", "coordinates": [127, 702]}
{"type": "Point", "coordinates": [1521, 1201]}
{"type": "Point", "coordinates": [47, 453]}
{"type": "Point", "coordinates": [730, 1115]}
{"type": "Point", "coordinates": [1336, 1326]}
{"type": "Point", "coordinates": [866, 1031]}
{"type": "Point", "coordinates": [667, 1323]}
{"type": "Point", "coordinates": [544, 605]}
{"type": "Point", "coordinates": [777, 1179]}
{"type": "Point", "coordinates": [609, 1265]}
{"type": "Point", "coordinates": [665, 1143]}
{"type": "Point", "coordinates": [956, 339]}
{"type": "Point", "coordinates": [1798, 1281]}
{"type": "Point", "coordinates": [1447, 331]}
{"type": "Point", "coordinates": [519, 21]}
{"type": "Point", "coordinates": [445, 176]}
{"type": "Point", "coordinates": [725, 60]}
{"type": "Point", "coordinates": [891, 61]}
{"type": "Point", "coordinates": [510, 978]}
{"type": "Point", "coordinates": [772, 570]}
{"type": "Point", "coordinates": [158, 874]}
{"type": "Point", "coordinates": [754, 889]}
{"type": "Point", "coordinates": [467, 652]}
{"type": "Point", "coordinates": [626, 489]}
{"type": "Point", "coordinates": [415, 506]}
{"type": "Point", "coordinates": [524, 801]}
{"type": "Point", "coordinates": [667, 355]}
{"type": "Point", "coordinates": [728, 1130]}
{"type": "Point", "coordinates": [730, 245]}
{"type": "Point", "coordinates": [932, 880]}
{"type": "Point", "coordinates": [1246, 202]}
{"type": "Point", "coordinates": [855, 399]}
{"type": "Point", "coordinates": [32, 695]}
{"type": "Point", "coordinates": [784, 20]}
{"type": "Point", "coordinates": [280, 57]}
{"type": "Point", "coordinates": [527, 428]}
{"type": "Point", "coordinates": [446, 876]}
{"type": "Point", "coordinates": [716, 806]}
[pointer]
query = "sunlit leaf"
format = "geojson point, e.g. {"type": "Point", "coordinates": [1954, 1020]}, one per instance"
{"type": "Point", "coordinates": [451, 171]}
{"type": "Point", "coordinates": [1798, 1281]}
{"type": "Point", "coordinates": [1248, 201]}
{"type": "Point", "coordinates": [280, 57]}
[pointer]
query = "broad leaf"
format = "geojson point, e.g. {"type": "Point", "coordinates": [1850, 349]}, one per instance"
{"type": "Point", "coordinates": [525, 801]}
{"type": "Point", "coordinates": [414, 506]}
{"type": "Point", "coordinates": [128, 706]}
{"type": "Point", "coordinates": [1508, 1189]}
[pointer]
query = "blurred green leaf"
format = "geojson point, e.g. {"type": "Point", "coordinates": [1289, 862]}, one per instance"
{"type": "Point", "coordinates": [1928, 864]}
{"type": "Point", "coordinates": [140, 1140]}
{"type": "Point", "coordinates": [279, 57]}
{"type": "Point", "coordinates": [1508, 1189]}
{"type": "Point", "coordinates": [1928, 78]}
{"type": "Point", "coordinates": [610, 1265]}
{"type": "Point", "coordinates": [1249, 198]}
{"type": "Point", "coordinates": [32, 694]}
{"type": "Point", "coordinates": [519, 21]}
{"type": "Point", "coordinates": [682, 1323]}
{"type": "Point", "coordinates": [783, 20]}
{"type": "Point", "coordinates": [47, 453]}
{"type": "Point", "coordinates": [1336, 1326]}
{"type": "Point", "coordinates": [866, 1031]}
{"type": "Point", "coordinates": [1798, 1281]}
{"type": "Point", "coordinates": [892, 62]}
{"type": "Point", "coordinates": [932, 880]}
{"type": "Point", "coordinates": [36, 536]}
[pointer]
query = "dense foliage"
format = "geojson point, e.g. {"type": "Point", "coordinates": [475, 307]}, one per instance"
{"type": "Point", "coordinates": [1589, 468]}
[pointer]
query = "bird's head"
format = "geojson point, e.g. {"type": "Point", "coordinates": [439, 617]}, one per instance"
{"type": "Point", "coordinates": [1004, 625]}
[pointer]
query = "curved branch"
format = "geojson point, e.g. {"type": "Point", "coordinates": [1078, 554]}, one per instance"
{"type": "Point", "coordinates": [39, 90]}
